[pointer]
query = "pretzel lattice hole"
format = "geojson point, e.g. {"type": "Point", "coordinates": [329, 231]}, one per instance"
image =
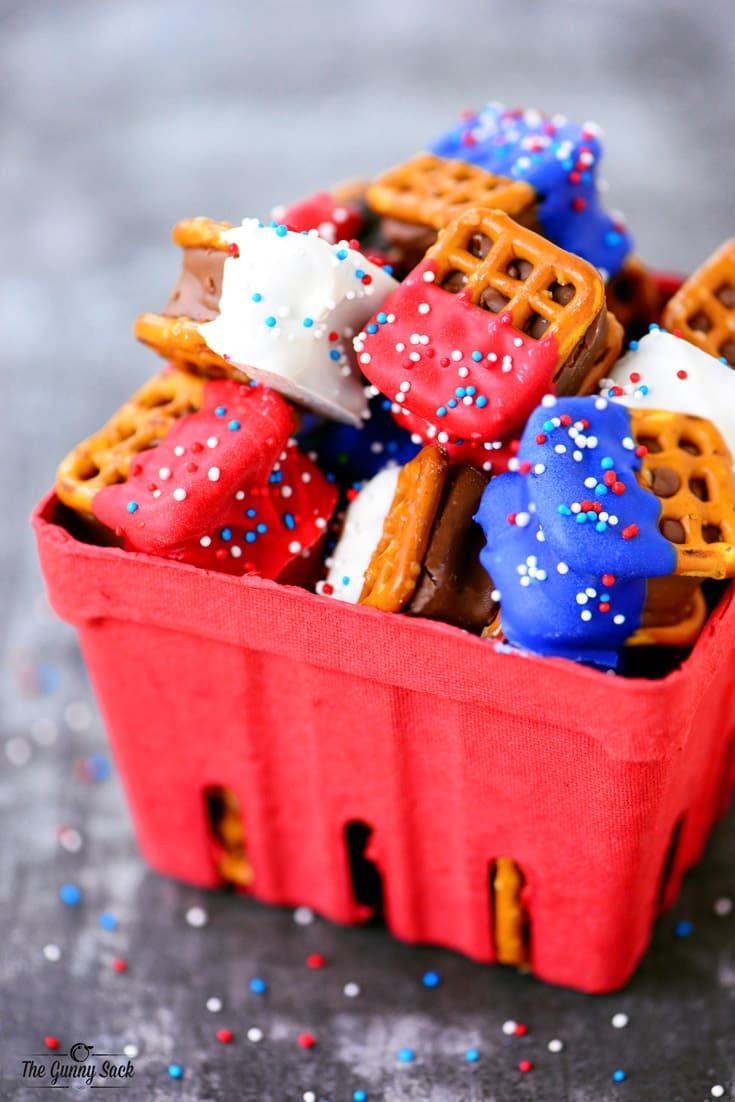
{"type": "Point", "coordinates": [726, 295]}
{"type": "Point", "coordinates": [562, 293]}
{"type": "Point", "coordinates": [699, 488]}
{"type": "Point", "coordinates": [700, 322]}
{"type": "Point", "coordinates": [454, 282]}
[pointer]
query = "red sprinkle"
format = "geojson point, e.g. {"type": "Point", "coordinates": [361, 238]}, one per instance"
{"type": "Point", "coordinates": [119, 965]}
{"type": "Point", "coordinates": [51, 1042]}
{"type": "Point", "coordinates": [641, 450]}
{"type": "Point", "coordinates": [635, 376]}
{"type": "Point", "coordinates": [224, 1036]}
{"type": "Point", "coordinates": [565, 419]}
{"type": "Point", "coordinates": [328, 589]}
{"type": "Point", "coordinates": [315, 960]}
{"type": "Point", "coordinates": [682, 374]}
{"type": "Point", "coordinates": [524, 466]}
{"type": "Point", "coordinates": [520, 1030]}
{"type": "Point", "coordinates": [618, 487]}
{"type": "Point", "coordinates": [233, 250]}
{"type": "Point", "coordinates": [366, 279]}
{"type": "Point", "coordinates": [525, 1065]}
{"type": "Point", "coordinates": [511, 518]}
{"type": "Point", "coordinates": [604, 606]}
{"type": "Point", "coordinates": [579, 203]}
{"type": "Point", "coordinates": [334, 336]}
{"type": "Point", "coordinates": [541, 438]}
{"type": "Point", "coordinates": [306, 1040]}
{"type": "Point", "coordinates": [608, 579]}
{"type": "Point", "coordinates": [574, 177]}
{"type": "Point", "coordinates": [629, 532]}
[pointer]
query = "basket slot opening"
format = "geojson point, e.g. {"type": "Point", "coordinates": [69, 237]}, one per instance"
{"type": "Point", "coordinates": [367, 882]}
{"type": "Point", "coordinates": [227, 836]}
{"type": "Point", "coordinates": [510, 922]}
{"type": "Point", "coordinates": [669, 868]}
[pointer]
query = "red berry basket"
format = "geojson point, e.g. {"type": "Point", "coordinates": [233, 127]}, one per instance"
{"type": "Point", "coordinates": [383, 761]}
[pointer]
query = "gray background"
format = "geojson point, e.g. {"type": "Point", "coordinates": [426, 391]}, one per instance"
{"type": "Point", "coordinates": [117, 119]}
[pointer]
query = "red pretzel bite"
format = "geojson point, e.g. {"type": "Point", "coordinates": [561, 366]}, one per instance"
{"type": "Point", "coordinates": [334, 220]}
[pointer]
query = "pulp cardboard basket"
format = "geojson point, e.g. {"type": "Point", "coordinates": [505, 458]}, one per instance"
{"type": "Point", "coordinates": [380, 758]}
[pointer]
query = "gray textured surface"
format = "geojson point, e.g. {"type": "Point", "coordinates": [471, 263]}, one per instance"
{"type": "Point", "coordinates": [117, 119]}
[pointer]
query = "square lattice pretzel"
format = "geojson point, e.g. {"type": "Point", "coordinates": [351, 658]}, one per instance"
{"type": "Point", "coordinates": [493, 253]}
{"type": "Point", "coordinates": [703, 309]}
{"type": "Point", "coordinates": [431, 191]}
{"type": "Point", "coordinates": [701, 508]}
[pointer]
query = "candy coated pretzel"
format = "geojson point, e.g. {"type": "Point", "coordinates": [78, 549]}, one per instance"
{"type": "Point", "coordinates": [431, 191]}
{"type": "Point", "coordinates": [689, 468]}
{"type": "Point", "coordinates": [495, 262]}
{"type": "Point", "coordinates": [142, 422]}
{"type": "Point", "coordinates": [703, 309]}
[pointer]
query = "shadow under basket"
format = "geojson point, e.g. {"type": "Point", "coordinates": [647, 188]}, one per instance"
{"type": "Point", "coordinates": [363, 762]}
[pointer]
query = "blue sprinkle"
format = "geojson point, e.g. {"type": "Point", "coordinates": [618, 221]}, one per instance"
{"type": "Point", "coordinates": [226, 534]}
{"type": "Point", "coordinates": [549, 426]}
{"type": "Point", "coordinates": [613, 238]}
{"type": "Point", "coordinates": [472, 1055]}
{"type": "Point", "coordinates": [601, 489]}
{"type": "Point", "coordinates": [388, 269]}
{"type": "Point", "coordinates": [272, 224]}
{"type": "Point", "coordinates": [341, 254]}
{"type": "Point", "coordinates": [381, 318]}
{"type": "Point", "coordinates": [275, 476]}
{"type": "Point", "coordinates": [256, 296]}
{"type": "Point", "coordinates": [591, 514]}
{"type": "Point", "coordinates": [567, 165]}
{"type": "Point", "coordinates": [581, 518]}
{"type": "Point", "coordinates": [261, 528]}
{"type": "Point", "coordinates": [441, 411]}
{"type": "Point", "coordinates": [335, 354]}
{"type": "Point", "coordinates": [220, 411]}
{"type": "Point", "coordinates": [288, 520]}
{"type": "Point", "coordinates": [233, 426]}
{"type": "Point", "coordinates": [653, 327]}
{"type": "Point", "coordinates": [107, 921]}
{"type": "Point", "coordinates": [683, 928]}
{"type": "Point", "coordinates": [619, 1075]}
{"type": "Point", "coordinates": [406, 1055]}
{"type": "Point", "coordinates": [281, 231]}
{"type": "Point", "coordinates": [604, 596]}
{"type": "Point", "coordinates": [132, 506]}
{"type": "Point", "coordinates": [250, 537]}
{"type": "Point", "coordinates": [643, 389]}
{"type": "Point", "coordinates": [97, 766]}
{"type": "Point", "coordinates": [307, 323]}
{"type": "Point", "coordinates": [359, 273]}
{"type": "Point", "coordinates": [607, 463]}
{"type": "Point", "coordinates": [431, 979]}
{"type": "Point", "coordinates": [258, 986]}
{"type": "Point", "coordinates": [175, 1071]}
{"type": "Point", "coordinates": [359, 1096]}
{"type": "Point", "coordinates": [481, 402]}
{"type": "Point", "coordinates": [345, 579]}
{"type": "Point", "coordinates": [70, 894]}
{"type": "Point", "coordinates": [564, 510]}
{"type": "Point", "coordinates": [477, 356]}
{"type": "Point", "coordinates": [452, 403]}
{"type": "Point", "coordinates": [471, 390]}
{"type": "Point", "coordinates": [601, 526]}
{"type": "Point", "coordinates": [460, 392]}
{"type": "Point", "coordinates": [372, 328]}
{"type": "Point", "coordinates": [250, 513]}
{"type": "Point", "coordinates": [270, 321]}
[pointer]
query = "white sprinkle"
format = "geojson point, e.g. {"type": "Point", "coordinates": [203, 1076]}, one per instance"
{"type": "Point", "coordinates": [179, 493]}
{"type": "Point", "coordinates": [629, 443]}
{"type": "Point", "coordinates": [70, 839]}
{"type": "Point", "coordinates": [577, 456]}
{"type": "Point", "coordinates": [294, 547]}
{"type": "Point", "coordinates": [156, 492]}
{"type": "Point", "coordinates": [351, 989]}
{"type": "Point", "coordinates": [424, 308]}
{"type": "Point", "coordinates": [586, 615]}
{"type": "Point", "coordinates": [463, 372]}
{"type": "Point", "coordinates": [212, 441]}
{"type": "Point", "coordinates": [303, 916]}
{"type": "Point", "coordinates": [429, 277]}
{"type": "Point", "coordinates": [414, 338]}
{"type": "Point", "coordinates": [509, 1027]}
{"type": "Point", "coordinates": [309, 1096]}
{"type": "Point", "coordinates": [254, 1034]}
{"type": "Point", "coordinates": [522, 519]}
{"type": "Point", "coordinates": [179, 449]}
{"type": "Point", "coordinates": [560, 449]}
{"type": "Point", "coordinates": [18, 751]}
{"type": "Point", "coordinates": [306, 476]}
{"type": "Point", "coordinates": [164, 473]}
{"type": "Point", "coordinates": [391, 318]}
{"type": "Point", "coordinates": [717, 1091]}
{"type": "Point", "coordinates": [456, 355]}
{"type": "Point", "coordinates": [286, 491]}
{"type": "Point", "coordinates": [495, 595]}
{"type": "Point", "coordinates": [601, 403]}
{"type": "Point", "coordinates": [44, 731]}
{"type": "Point", "coordinates": [591, 592]}
{"type": "Point", "coordinates": [555, 1046]}
{"type": "Point", "coordinates": [205, 541]}
{"type": "Point", "coordinates": [405, 387]}
{"type": "Point", "coordinates": [197, 916]}
{"type": "Point", "coordinates": [400, 347]}
{"type": "Point", "coordinates": [414, 357]}
{"type": "Point", "coordinates": [52, 953]}
{"type": "Point", "coordinates": [518, 342]}
{"type": "Point", "coordinates": [619, 1021]}
{"type": "Point", "coordinates": [582, 598]}
{"type": "Point", "coordinates": [213, 474]}
{"type": "Point", "coordinates": [365, 358]}
{"type": "Point", "coordinates": [723, 906]}
{"type": "Point", "coordinates": [492, 357]}
{"type": "Point", "coordinates": [548, 400]}
{"type": "Point", "coordinates": [562, 568]}
{"type": "Point", "coordinates": [619, 619]}
{"type": "Point", "coordinates": [539, 468]}
{"type": "Point", "coordinates": [214, 1005]}
{"type": "Point", "coordinates": [240, 495]}
{"type": "Point", "coordinates": [590, 483]}
{"type": "Point", "coordinates": [525, 580]}
{"type": "Point", "coordinates": [235, 551]}
{"type": "Point", "coordinates": [78, 715]}
{"type": "Point", "coordinates": [443, 437]}
{"type": "Point", "coordinates": [131, 1051]}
